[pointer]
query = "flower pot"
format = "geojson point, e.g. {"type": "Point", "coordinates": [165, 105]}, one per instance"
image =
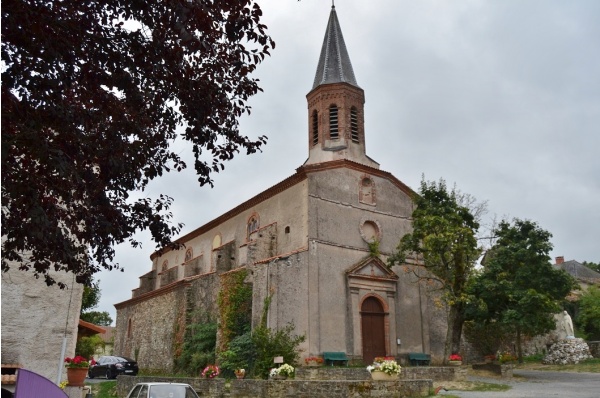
{"type": "Point", "coordinates": [240, 375]}
{"type": "Point", "coordinates": [382, 376]}
{"type": "Point", "coordinates": [76, 376]}
{"type": "Point", "coordinates": [313, 363]}
{"type": "Point", "coordinates": [279, 377]}
{"type": "Point", "coordinates": [454, 363]}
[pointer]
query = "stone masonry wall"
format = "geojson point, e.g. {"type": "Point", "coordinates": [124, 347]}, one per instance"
{"type": "Point", "coordinates": [151, 331]}
{"type": "Point", "coordinates": [290, 388]}
{"type": "Point", "coordinates": [34, 318]}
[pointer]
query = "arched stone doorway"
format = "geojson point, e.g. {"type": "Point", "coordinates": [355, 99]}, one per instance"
{"type": "Point", "coordinates": [373, 329]}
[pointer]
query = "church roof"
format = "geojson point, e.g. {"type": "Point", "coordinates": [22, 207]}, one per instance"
{"type": "Point", "coordinates": [334, 62]}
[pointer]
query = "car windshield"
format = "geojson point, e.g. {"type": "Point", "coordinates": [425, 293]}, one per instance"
{"type": "Point", "coordinates": [171, 391]}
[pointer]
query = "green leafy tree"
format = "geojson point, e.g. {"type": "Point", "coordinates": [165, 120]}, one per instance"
{"type": "Point", "coordinates": [93, 95]}
{"type": "Point", "coordinates": [101, 318]}
{"type": "Point", "coordinates": [89, 300]}
{"type": "Point", "coordinates": [444, 247]}
{"type": "Point", "coordinates": [518, 287]}
{"type": "Point", "coordinates": [588, 318]}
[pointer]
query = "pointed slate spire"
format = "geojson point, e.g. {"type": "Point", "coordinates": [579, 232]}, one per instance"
{"type": "Point", "coordinates": [334, 62]}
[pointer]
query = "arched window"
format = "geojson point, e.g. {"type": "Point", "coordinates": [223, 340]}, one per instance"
{"type": "Point", "coordinates": [253, 224]}
{"type": "Point", "coordinates": [216, 241]}
{"type": "Point", "coordinates": [165, 265]}
{"type": "Point", "coordinates": [367, 191]}
{"type": "Point", "coordinates": [189, 254]}
{"type": "Point", "coordinates": [129, 328]}
{"type": "Point", "coordinates": [354, 124]}
{"type": "Point", "coordinates": [315, 128]}
{"type": "Point", "coordinates": [333, 122]}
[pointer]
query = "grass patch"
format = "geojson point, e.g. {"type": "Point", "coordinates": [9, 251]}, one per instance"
{"type": "Point", "coordinates": [473, 386]}
{"type": "Point", "coordinates": [107, 389]}
{"type": "Point", "coordinates": [589, 366]}
{"type": "Point", "coordinates": [481, 386]}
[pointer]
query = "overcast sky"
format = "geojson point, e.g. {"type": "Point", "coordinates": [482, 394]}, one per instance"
{"type": "Point", "coordinates": [500, 97]}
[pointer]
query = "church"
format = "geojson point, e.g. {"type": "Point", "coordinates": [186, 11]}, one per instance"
{"type": "Point", "coordinates": [316, 243]}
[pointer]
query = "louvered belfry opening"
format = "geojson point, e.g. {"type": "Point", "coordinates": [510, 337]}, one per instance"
{"type": "Point", "coordinates": [315, 128]}
{"type": "Point", "coordinates": [333, 122]}
{"type": "Point", "coordinates": [354, 124]}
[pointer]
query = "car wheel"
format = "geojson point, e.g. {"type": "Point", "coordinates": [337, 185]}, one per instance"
{"type": "Point", "coordinates": [90, 374]}
{"type": "Point", "coordinates": [108, 374]}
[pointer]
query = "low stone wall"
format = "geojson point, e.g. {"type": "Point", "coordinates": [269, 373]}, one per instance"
{"type": "Point", "coordinates": [504, 370]}
{"type": "Point", "coordinates": [250, 388]}
{"type": "Point", "coordinates": [437, 373]}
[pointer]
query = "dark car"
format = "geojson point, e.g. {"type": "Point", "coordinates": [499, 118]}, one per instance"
{"type": "Point", "coordinates": [112, 366]}
{"type": "Point", "coordinates": [162, 390]}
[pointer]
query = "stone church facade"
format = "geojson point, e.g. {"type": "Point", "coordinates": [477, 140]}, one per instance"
{"type": "Point", "coordinates": [306, 241]}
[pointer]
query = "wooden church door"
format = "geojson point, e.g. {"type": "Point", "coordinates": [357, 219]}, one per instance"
{"type": "Point", "coordinates": [373, 329]}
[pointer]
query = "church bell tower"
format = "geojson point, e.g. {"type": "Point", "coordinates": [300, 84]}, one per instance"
{"type": "Point", "coordinates": [336, 128]}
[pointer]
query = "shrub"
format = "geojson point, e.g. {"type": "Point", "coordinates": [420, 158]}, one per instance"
{"type": "Point", "coordinates": [86, 346]}
{"type": "Point", "coordinates": [241, 354]}
{"type": "Point", "coordinates": [271, 343]}
{"type": "Point", "coordinates": [589, 313]}
{"type": "Point", "coordinates": [198, 348]}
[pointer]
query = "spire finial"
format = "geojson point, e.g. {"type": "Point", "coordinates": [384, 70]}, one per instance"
{"type": "Point", "coordinates": [332, 3]}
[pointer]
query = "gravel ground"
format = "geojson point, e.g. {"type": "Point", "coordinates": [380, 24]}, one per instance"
{"type": "Point", "coordinates": [537, 384]}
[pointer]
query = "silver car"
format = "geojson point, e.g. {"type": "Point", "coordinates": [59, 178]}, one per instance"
{"type": "Point", "coordinates": [162, 390]}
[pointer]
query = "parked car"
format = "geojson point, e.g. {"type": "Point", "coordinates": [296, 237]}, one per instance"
{"type": "Point", "coordinates": [162, 390]}
{"type": "Point", "coordinates": [112, 366]}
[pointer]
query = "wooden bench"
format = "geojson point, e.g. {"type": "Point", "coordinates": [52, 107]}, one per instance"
{"type": "Point", "coordinates": [332, 357]}
{"type": "Point", "coordinates": [419, 359]}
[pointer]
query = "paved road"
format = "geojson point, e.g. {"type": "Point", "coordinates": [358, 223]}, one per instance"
{"type": "Point", "coordinates": [538, 384]}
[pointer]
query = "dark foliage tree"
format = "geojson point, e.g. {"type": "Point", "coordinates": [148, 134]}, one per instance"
{"type": "Point", "coordinates": [443, 245]}
{"type": "Point", "coordinates": [518, 287]}
{"type": "Point", "coordinates": [93, 94]}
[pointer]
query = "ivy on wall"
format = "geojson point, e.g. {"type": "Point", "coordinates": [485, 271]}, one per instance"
{"type": "Point", "coordinates": [235, 306]}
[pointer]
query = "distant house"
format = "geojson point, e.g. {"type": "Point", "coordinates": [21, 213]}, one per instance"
{"type": "Point", "coordinates": [585, 276]}
{"type": "Point", "coordinates": [109, 342]}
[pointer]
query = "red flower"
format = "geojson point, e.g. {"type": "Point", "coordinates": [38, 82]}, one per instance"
{"type": "Point", "coordinates": [77, 362]}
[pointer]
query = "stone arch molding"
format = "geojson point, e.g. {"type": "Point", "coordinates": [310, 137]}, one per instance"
{"type": "Point", "coordinates": [371, 278]}
{"type": "Point", "coordinates": [370, 230]}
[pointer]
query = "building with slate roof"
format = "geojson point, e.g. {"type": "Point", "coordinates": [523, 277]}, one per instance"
{"type": "Point", "coordinates": [304, 242]}
{"type": "Point", "coordinates": [584, 276]}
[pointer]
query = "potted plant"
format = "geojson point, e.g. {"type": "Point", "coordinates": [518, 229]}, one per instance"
{"type": "Point", "coordinates": [77, 369]}
{"type": "Point", "coordinates": [211, 371]}
{"type": "Point", "coordinates": [282, 372]}
{"type": "Point", "coordinates": [313, 361]}
{"type": "Point", "coordinates": [240, 373]}
{"type": "Point", "coordinates": [506, 357]}
{"type": "Point", "coordinates": [384, 368]}
{"type": "Point", "coordinates": [455, 360]}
